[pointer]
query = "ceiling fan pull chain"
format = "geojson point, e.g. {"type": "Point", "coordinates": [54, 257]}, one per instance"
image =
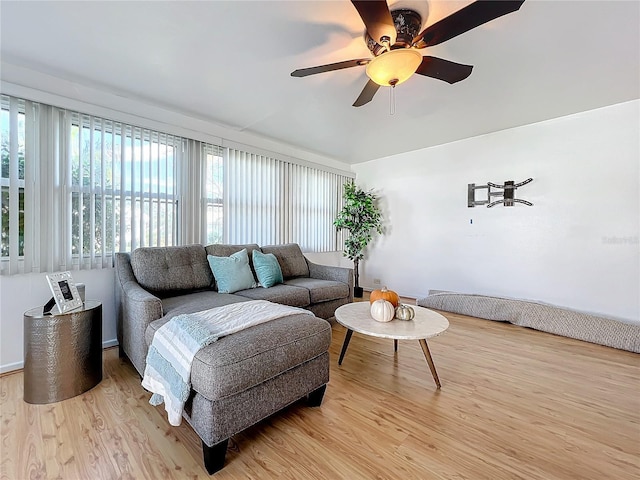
{"type": "Point", "coordinates": [392, 100]}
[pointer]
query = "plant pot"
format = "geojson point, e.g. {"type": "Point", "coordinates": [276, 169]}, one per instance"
{"type": "Point", "coordinates": [358, 292]}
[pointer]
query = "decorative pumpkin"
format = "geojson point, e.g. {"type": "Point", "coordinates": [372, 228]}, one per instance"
{"type": "Point", "coordinates": [385, 294]}
{"type": "Point", "coordinates": [405, 312]}
{"type": "Point", "coordinates": [382, 311]}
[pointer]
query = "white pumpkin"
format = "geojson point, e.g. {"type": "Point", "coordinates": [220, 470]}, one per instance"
{"type": "Point", "coordinates": [382, 311]}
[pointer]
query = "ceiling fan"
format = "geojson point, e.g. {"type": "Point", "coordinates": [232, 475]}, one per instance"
{"type": "Point", "coordinates": [393, 39]}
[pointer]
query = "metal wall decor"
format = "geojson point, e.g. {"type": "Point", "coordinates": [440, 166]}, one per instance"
{"type": "Point", "coordinates": [506, 194]}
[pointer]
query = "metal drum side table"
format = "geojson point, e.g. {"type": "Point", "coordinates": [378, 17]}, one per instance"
{"type": "Point", "coordinates": [62, 353]}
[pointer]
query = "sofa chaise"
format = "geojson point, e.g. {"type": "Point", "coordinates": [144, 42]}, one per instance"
{"type": "Point", "coordinates": [245, 377]}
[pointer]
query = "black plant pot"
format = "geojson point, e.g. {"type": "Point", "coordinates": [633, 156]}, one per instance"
{"type": "Point", "coordinates": [358, 292]}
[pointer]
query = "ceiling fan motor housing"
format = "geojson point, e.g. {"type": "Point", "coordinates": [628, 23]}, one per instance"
{"type": "Point", "coordinates": [407, 23]}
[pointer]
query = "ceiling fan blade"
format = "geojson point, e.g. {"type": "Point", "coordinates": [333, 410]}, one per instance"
{"type": "Point", "coordinates": [304, 72]}
{"type": "Point", "coordinates": [445, 70]}
{"type": "Point", "coordinates": [377, 19]}
{"type": "Point", "coordinates": [463, 20]}
{"type": "Point", "coordinates": [367, 93]}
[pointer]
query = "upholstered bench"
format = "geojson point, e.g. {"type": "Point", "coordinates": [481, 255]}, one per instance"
{"type": "Point", "coordinates": [245, 377]}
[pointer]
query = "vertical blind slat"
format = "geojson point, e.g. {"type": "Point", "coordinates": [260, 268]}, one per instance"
{"type": "Point", "coordinates": [123, 189]}
{"type": "Point", "coordinates": [166, 193]}
{"type": "Point", "coordinates": [58, 120]}
{"type": "Point", "coordinates": [103, 198]}
{"type": "Point", "coordinates": [14, 200]}
{"type": "Point", "coordinates": [147, 192]}
{"type": "Point", "coordinates": [79, 220]}
{"type": "Point", "coordinates": [133, 199]}
{"type": "Point", "coordinates": [157, 185]}
{"type": "Point", "coordinates": [140, 201]}
{"type": "Point", "coordinates": [32, 192]}
{"type": "Point", "coordinates": [66, 221]}
{"type": "Point", "coordinates": [92, 198]}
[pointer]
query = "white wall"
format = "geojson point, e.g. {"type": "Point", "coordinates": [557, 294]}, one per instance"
{"type": "Point", "coordinates": [329, 258]}
{"type": "Point", "coordinates": [19, 293]}
{"type": "Point", "coordinates": [576, 247]}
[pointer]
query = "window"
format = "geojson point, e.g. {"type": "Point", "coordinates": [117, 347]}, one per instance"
{"type": "Point", "coordinates": [76, 188]}
{"type": "Point", "coordinates": [12, 176]}
{"type": "Point", "coordinates": [122, 187]}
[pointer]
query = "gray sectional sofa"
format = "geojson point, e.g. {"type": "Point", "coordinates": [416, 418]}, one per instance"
{"type": "Point", "coordinates": [249, 375]}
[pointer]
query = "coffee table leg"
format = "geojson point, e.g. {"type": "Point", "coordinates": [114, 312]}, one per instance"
{"type": "Point", "coordinates": [432, 367]}
{"type": "Point", "coordinates": [395, 345]}
{"type": "Point", "coordinates": [345, 345]}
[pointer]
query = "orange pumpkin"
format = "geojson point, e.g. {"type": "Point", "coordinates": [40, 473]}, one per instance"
{"type": "Point", "coordinates": [385, 294]}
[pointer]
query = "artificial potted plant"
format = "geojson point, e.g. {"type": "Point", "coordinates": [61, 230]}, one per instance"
{"type": "Point", "coordinates": [361, 218]}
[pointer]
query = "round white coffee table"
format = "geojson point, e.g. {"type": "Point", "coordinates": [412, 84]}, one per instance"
{"type": "Point", "coordinates": [356, 317]}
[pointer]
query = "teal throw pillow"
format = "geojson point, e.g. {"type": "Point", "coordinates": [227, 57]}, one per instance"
{"type": "Point", "coordinates": [232, 273]}
{"type": "Point", "coordinates": [267, 269]}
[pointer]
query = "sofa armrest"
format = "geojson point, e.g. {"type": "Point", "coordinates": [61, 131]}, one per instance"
{"type": "Point", "coordinates": [326, 272]}
{"type": "Point", "coordinates": [141, 304]}
{"type": "Point", "coordinates": [136, 308]}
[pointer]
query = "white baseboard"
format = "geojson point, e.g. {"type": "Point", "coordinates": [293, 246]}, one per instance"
{"type": "Point", "coordinates": [10, 367]}
{"type": "Point", "coordinates": [110, 343]}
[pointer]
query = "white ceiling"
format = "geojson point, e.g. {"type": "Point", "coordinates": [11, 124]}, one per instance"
{"type": "Point", "coordinates": [230, 63]}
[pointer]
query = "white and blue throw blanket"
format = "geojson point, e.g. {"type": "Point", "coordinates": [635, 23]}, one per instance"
{"type": "Point", "coordinates": [168, 371]}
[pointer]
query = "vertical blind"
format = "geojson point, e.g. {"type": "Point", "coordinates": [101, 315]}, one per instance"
{"type": "Point", "coordinates": [76, 188]}
{"type": "Point", "coordinates": [270, 201]}
{"type": "Point", "coordinates": [122, 188]}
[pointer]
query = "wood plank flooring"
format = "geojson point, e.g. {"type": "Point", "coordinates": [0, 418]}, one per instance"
{"type": "Point", "coordinates": [514, 404]}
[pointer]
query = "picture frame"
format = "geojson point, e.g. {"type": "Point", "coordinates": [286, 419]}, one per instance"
{"type": "Point", "coordinates": [65, 292]}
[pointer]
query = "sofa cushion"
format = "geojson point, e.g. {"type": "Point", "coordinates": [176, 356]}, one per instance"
{"type": "Point", "coordinates": [226, 250]}
{"type": "Point", "coordinates": [321, 290]}
{"type": "Point", "coordinates": [197, 302]}
{"type": "Point", "coordinates": [267, 269]}
{"type": "Point", "coordinates": [247, 358]}
{"type": "Point", "coordinates": [290, 258]}
{"type": "Point", "coordinates": [283, 294]}
{"type": "Point", "coordinates": [232, 273]}
{"type": "Point", "coordinates": [171, 269]}
{"type": "Point", "coordinates": [189, 303]}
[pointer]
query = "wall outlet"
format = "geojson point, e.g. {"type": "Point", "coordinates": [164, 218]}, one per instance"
{"type": "Point", "coordinates": [377, 281]}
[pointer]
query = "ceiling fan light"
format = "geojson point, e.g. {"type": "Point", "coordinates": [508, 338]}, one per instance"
{"type": "Point", "coordinates": [394, 67]}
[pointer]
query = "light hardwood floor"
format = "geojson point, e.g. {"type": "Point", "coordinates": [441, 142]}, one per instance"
{"type": "Point", "coordinates": [514, 404]}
